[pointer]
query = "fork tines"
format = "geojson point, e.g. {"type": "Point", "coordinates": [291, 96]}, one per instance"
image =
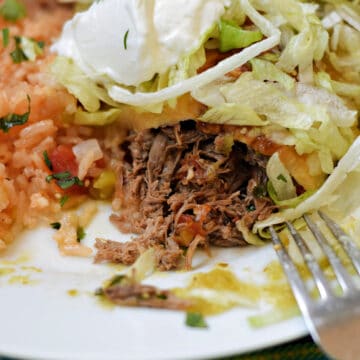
{"type": "Point", "coordinates": [334, 320]}
{"type": "Point", "coordinates": [342, 275]}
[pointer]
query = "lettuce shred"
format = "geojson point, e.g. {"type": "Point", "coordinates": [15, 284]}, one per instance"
{"type": "Point", "coordinates": [336, 195]}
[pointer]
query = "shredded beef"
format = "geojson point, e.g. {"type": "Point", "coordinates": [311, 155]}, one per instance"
{"type": "Point", "coordinates": [182, 187]}
{"type": "Point", "coordinates": [126, 290]}
{"type": "Point", "coordinates": [144, 296]}
{"type": "Point", "coordinates": [116, 252]}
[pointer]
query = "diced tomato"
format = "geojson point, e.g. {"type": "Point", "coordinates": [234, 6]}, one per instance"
{"type": "Point", "coordinates": [101, 163]}
{"type": "Point", "coordinates": [191, 224]}
{"type": "Point", "coordinates": [63, 159]}
{"type": "Point", "coordinates": [195, 225]}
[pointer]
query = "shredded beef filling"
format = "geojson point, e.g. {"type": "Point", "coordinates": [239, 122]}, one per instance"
{"type": "Point", "coordinates": [145, 296]}
{"type": "Point", "coordinates": [183, 187]}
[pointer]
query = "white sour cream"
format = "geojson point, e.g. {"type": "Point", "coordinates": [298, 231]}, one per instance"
{"type": "Point", "coordinates": [159, 33]}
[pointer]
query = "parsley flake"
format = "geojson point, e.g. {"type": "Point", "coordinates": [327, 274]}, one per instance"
{"type": "Point", "coordinates": [194, 319]}
{"type": "Point", "coordinates": [18, 56]}
{"type": "Point", "coordinates": [12, 10]}
{"type": "Point", "coordinates": [63, 200]}
{"type": "Point", "coordinates": [116, 280]}
{"type": "Point", "coordinates": [125, 39]}
{"type": "Point", "coordinates": [47, 160]}
{"type": "Point", "coordinates": [58, 176]}
{"type": "Point", "coordinates": [5, 36]}
{"type": "Point", "coordinates": [80, 233]}
{"type": "Point", "coordinates": [69, 182]}
{"type": "Point", "coordinates": [64, 179]}
{"type": "Point", "coordinates": [282, 178]}
{"type": "Point", "coordinates": [55, 225]}
{"type": "Point", "coordinates": [26, 49]}
{"type": "Point", "coordinates": [11, 120]}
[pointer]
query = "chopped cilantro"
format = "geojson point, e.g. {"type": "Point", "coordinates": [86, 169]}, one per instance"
{"type": "Point", "coordinates": [69, 182]}
{"type": "Point", "coordinates": [55, 225]}
{"type": "Point", "coordinates": [194, 319]}
{"type": "Point", "coordinates": [12, 10]}
{"type": "Point", "coordinates": [41, 44]}
{"type": "Point", "coordinates": [11, 120]}
{"type": "Point", "coordinates": [80, 233]}
{"type": "Point", "coordinates": [47, 160]}
{"type": "Point", "coordinates": [26, 49]}
{"type": "Point", "coordinates": [63, 200]}
{"type": "Point", "coordinates": [58, 176]}
{"type": "Point", "coordinates": [125, 39]}
{"type": "Point", "coordinates": [282, 178]}
{"type": "Point", "coordinates": [64, 179]}
{"type": "Point", "coordinates": [116, 280]}
{"type": "Point", "coordinates": [5, 36]}
{"type": "Point", "coordinates": [18, 54]}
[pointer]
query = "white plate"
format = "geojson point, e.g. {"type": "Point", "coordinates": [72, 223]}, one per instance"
{"type": "Point", "coordinates": [41, 321]}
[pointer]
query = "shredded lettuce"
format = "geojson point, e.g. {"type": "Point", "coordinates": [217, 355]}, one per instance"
{"type": "Point", "coordinates": [248, 236]}
{"type": "Point", "coordinates": [85, 90]}
{"type": "Point", "coordinates": [233, 114]}
{"type": "Point", "coordinates": [142, 268]}
{"type": "Point", "coordinates": [265, 70]}
{"type": "Point", "coordinates": [308, 44]}
{"type": "Point", "coordinates": [289, 203]}
{"type": "Point", "coordinates": [344, 89]}
{"type": "Point", "coordinates": [336, 109]}
{"type": "Point", "coordinates": [336, 195]}
{"type": "Point", "coordinates": [97, 118]}
{"type": "Point", "coordinates": [234, 12]}
{"type": "Point", "coordinates": [187, 66]}
{"type": "Point", "coordinates": [233, 37]}
{"type": "Point", "coordinates": [280, 178]}
{"type": "Point", "coordinates": [269, 100]}
{"type": "Point", "coordinates": [350, 12]}
{"type": "Point", "coordinates": [318, 119]}
{"type": "Point", "coordinates": [344, 52]}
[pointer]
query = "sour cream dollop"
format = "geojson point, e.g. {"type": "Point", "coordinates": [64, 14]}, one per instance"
{"type": "Point", "coordinates": [129, 41]}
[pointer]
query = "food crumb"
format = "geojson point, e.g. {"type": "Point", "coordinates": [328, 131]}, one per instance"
{"type": "Point", "coordinates": [6, 271]}
{"type": "Point", "coordinates": [20, 279]}
{"type": "Point", "coordinates": [22, 259]}
{"type": "Point", "coordinates": [73, 292]}
{"type": "Point", "coordinates": [195, 319]}
{"type": "Point", "coordinates": [31, 268]}
{"type": "Point", "coordinates": [223, 264]}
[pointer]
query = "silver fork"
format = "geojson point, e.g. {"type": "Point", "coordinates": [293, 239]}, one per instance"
{"type": "Point", "coordinates": [333, 320]}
